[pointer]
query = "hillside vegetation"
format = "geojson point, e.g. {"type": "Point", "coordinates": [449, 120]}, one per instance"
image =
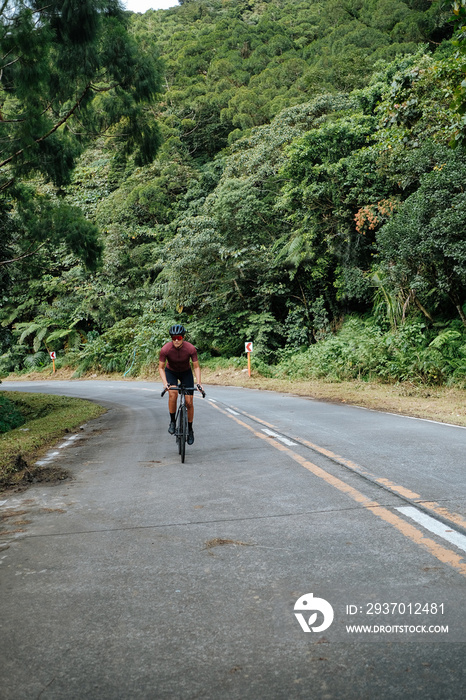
{"type": "Point", "coordinates": [307, 193]}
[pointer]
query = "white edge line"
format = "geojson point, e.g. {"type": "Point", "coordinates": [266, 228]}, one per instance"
{"type": "Point", "coordinates": [434, 526]}
{"type": "Point", "coordinates": [72, 438]}
{"type": "Point", "coordinates": [49, 456]}
{"type": "Point", "coordinates": [403, 415]}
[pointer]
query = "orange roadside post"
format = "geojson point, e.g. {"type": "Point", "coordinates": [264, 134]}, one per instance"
{"type": "Point", "coordinates": [52, 357]}
{"type": "Point", "coordinates": [249, 348]}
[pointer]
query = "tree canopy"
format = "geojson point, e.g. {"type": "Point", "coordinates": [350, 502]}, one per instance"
{"type": "Point", "coordinates": [304, 173]}
{"type": "Point", "coordinates": [69, 72]}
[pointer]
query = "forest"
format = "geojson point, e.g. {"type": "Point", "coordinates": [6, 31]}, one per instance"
{"type": "Point", "coordinates": [287, 172]}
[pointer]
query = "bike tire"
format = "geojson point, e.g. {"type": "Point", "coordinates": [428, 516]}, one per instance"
{"type": "Point", "coordinates": [177, 431]}
{"type": "Point", "coordinates": [183, 431]}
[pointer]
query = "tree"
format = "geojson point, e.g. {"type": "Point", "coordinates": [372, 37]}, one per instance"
{"type": "Point", "coordinates": [330, 173]}
{"type": "Point", "coordinates": [68, 72]}
{"type": "Point", "coordinates": [423, 247]}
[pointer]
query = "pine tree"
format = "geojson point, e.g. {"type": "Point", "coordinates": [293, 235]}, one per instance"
{"type": "Point", "coordinates": [69, 71]}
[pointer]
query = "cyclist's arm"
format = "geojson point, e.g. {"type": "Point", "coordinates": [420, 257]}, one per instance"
{"type": "Point", "coordinates": [197, 372]}
{"type": "Point", "coordinates": [163, 376]}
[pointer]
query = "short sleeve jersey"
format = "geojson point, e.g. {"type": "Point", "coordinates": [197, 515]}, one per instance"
{"type": "Point", "coordinates": [178, 358]}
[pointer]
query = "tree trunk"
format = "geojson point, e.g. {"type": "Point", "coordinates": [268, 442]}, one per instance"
{"type": "Point", "coordinates": [457, 302]}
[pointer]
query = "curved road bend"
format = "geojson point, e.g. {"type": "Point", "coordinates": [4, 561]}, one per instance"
{"type": "Point", "coordinates": [144, 578]}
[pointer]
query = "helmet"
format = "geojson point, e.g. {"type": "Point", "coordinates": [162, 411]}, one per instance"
{"type": "Point", "coordinates": [177, 330]}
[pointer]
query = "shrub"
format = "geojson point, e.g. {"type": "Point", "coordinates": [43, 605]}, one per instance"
{"type": "Point", "coordinates": [36, 361]}
{"type": "Point", "coordinates": [126, 347]}
{"type": "Point", "coordinates": [10, 416]}
{"type": "Point", "coordinates": [362, 350]}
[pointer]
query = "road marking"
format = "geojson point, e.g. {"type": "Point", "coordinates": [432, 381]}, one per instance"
{"type": "Point", "coordinates": [407, 493]}
{"type": "Point", "coordinates": [68, 440]}
{"type": "Point", "coordinates": [234, 413]}
{"type": "Point", "coordinates": [283, 439]}
{"type": "Point", "coordinates": [49, 456]}
{"type": "Point", "coordinates": [401, 415]}
{"type": "Point", "coordinates": [434, 526]}
{"type": "Point", "coordinates": [402, 490]}
{"type": "Point", "coordinates": [444, 513]}
{"type": "Point", "coordinates": [286, 441]}
{"type": "Point", "coordinates": [446, 556]}
{"type": "Point", "coordinates": [259, 420]}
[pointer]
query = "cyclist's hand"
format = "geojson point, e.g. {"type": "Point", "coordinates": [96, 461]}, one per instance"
{"type": "Point", "coordinates": [201, 389]}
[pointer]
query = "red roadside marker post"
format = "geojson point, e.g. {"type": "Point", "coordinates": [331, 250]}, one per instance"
{"type": "Point", "coordinates": [248, 347]}
{"type": "Point", "coordinates": [53, 356]}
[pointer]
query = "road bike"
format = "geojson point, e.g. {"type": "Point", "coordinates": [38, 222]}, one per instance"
{"type": "Point", "coordinates": [181, 418]}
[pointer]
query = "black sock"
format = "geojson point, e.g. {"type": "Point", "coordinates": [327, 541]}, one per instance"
{"type": "Point", "coordinates": [190, 426]}
{"type": "Point", "coordinates": [172, 417]}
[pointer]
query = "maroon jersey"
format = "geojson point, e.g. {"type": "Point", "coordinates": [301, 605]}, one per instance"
{"type": "Point", "coordinates": [178, 358]}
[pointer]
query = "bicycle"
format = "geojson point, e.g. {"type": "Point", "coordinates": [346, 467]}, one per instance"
{"type": "Point", "coordinates": [181, 418]}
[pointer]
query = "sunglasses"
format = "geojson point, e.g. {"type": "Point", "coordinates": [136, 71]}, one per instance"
{"type": "Point", "coordinates": [177, 337]}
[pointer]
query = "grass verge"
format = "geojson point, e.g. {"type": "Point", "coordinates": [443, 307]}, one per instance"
{"type": "Point", "coordinates": [439, 403]}
{"type": "Point", "coordinates": [48, 418]}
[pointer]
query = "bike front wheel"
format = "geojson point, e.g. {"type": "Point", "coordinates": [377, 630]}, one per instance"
{"type": "Point", "coordinates": [182, 431]}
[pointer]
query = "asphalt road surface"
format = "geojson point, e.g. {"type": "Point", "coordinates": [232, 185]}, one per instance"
{"type": "Point", "coordinates": [303, 550]}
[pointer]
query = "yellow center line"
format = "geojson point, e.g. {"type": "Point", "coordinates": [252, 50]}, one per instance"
{"type": "Point", "coordinates": [454, 518]}
{"type": "Point", "coordinates": [446, 556]}
{"type": "Point", "coordinates": [444, 513]}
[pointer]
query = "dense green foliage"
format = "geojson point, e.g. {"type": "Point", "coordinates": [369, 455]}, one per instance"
{"type": "Point", "coordinates": [10, 416]}
{"type": "Point", "coordinates": [69, 71]}
{"type": "Point", "coordinates": [362, 350]}
{"type": "Point", "coordinates": [305, 174]}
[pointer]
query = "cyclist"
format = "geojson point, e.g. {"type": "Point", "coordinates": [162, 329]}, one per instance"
{"type": "Point", "coordinates": [175, 366]}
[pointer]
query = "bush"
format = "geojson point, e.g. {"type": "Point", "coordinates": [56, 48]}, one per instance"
{"type": "Point", "coordinates": [109, 352]}
{"type": "Point", "coordinates": [36, 361]}
{"type": "Point", "coordinates": [362, 350]}
{"type": "Point", "coordinates": [13, 360]}
{"type": "Point", "coordinates": [127, 347]}
{"type": "Point", "coordinates": [10, 416]}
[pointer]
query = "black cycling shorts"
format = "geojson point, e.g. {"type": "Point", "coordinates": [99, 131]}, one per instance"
{"type": "Point", "coordinates": [186, 378]}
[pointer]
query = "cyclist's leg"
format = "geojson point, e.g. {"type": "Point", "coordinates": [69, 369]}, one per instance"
{"type": "Point", "coordinates": [190, 407]}
{"type": "Point", "coordinates": [172, 379]}
{"type": "Point", "coordinates": [187, 379]}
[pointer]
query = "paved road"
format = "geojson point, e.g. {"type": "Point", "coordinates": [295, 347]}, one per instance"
{"type": "Point", "coordinates": [145, 578]}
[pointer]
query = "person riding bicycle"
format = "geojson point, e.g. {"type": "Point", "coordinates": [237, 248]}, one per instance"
{"type": "Point", "coordinates": [175, 366]}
